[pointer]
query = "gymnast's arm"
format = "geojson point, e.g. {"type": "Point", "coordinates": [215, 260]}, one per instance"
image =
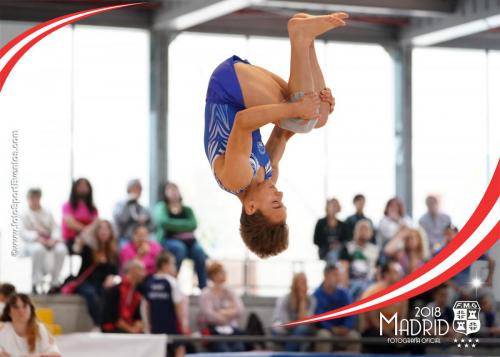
{"type": "Point", "coordinates": [236, 171]}
{"type": "Point", "coordinates": [275, 147]}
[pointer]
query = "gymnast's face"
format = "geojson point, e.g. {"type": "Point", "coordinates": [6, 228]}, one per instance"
{"type": "Point", "coordinates": [266, 198]}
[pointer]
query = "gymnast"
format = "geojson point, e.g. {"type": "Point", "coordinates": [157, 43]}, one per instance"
{"type": "Point", "coordinates": [241, 98]}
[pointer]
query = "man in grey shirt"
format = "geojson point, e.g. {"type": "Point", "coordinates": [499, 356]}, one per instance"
{"type": "Point", "coordinates": [434, 223]}
{"type": "Point", "coordinates": [129, 213]}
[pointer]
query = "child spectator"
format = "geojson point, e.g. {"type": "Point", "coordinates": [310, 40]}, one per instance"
{"type": "Point", "coordinates": [164, 302]}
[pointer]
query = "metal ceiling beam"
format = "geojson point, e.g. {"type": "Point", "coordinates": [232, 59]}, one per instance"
{"type": "Point", "coordinates": [275, 26]}
{"type": "Point", "coordinates": [186, 14]}
{"type": "Point", "coordinates": [471, 17]}
{"type": "Point", "coordinates": [412, 8]}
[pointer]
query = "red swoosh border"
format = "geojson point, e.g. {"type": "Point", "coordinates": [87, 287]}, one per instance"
{"type": "Point", "coordinates": [486, 204]}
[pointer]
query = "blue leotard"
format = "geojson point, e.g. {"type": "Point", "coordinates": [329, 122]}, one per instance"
{"type": "Point", "coordinates": [224, 100]}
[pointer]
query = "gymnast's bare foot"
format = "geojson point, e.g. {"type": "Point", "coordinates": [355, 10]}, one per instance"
{"type": "Point", "coordinates": [308, 27]}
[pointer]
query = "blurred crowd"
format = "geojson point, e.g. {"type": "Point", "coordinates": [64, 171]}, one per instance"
{"type": "Point", "coordinates": [128, 272]}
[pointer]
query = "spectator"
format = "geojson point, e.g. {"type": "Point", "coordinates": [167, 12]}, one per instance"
{"type": "Point", "coordinates": [359, 214]}
{"type": "Point", "coordinates": [330, 233]}
{"type": "Point", "coordinates": [175, 226]}
{"type": "Point", "coordinates": [220, 310]}
{"type": "Point", "coordinates": [409, 248]}
{"type": "Point", "coordinates": [393, 221]}
{"type": "Point", "coordinates": [330, 296]}
{"type": "Point", "coordinates": [460, 283]}
{"type": "Point", "coordinates": [391, 273]}
{"type": "Point", "coordinates": [165, 303]}
{"type": "Point", "coordinates": [79, 213]}
{"type": "Point", "coordinates": [489, 324]}
{"type": "Point", "coordinates": [434, 223]}
{"type": "Point", "coordinates": [42, 239]}
{"type": "Point", "coordinates": [130, 213]}
{"type": "Point", "coordinates": [440, 298]}
{"type": "Point", "coordinates": [141, 248]}
{"type": "Point", "coordinates": [359, 258]}
{"type": "Point", "coordinates": [121, 310]}
{"type": "Point", "coordinates": [6, 291]}
{"type": "Point", "coordinates": [296, 305]}
{"type": "Point", "coordinates": [98, 270]}
{"type": "Point", "coordinates": [20, 332]}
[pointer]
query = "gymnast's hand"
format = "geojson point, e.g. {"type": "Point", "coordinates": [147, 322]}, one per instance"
{"type": "Point", "coordinates": [308, 106]}
{"type": "Point", "coordinates": [326, 96]}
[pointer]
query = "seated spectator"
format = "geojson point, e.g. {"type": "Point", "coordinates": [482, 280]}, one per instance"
{"type": "Point", "coordinates": [359, 214]}
{"type": "Point", "coordinates": [393, 221]}
{"type": "Point", "coordinates": [220, 310]}
{"type": "Point", "coordinates": [42, 239]}
{"type": "Point", "coordinates": [489, 324]}
{"type": "Point", "coordinates": [165, 308]}
{"type": "Point", "coordinates": [330, 296]}
{"type": "Point", "coordinates": [440, 299]}
{"type": "Point", "coordinates": [359, 258]}
{"type": "Point", "coordinates": [6, 291]}
{"type": "Point", "coordinates": [175, 226]}
{"type": "Point", "coordinates": [434, 223]}
{"type": "Point", "coordinates": [296, 305]}
{"type": "Point", "coordinates": [130, 213]}
{"type": "Point", "coordinates": [409, 248]}
{"type": "Point", "coordinates": [330, 233]}
{"type": "Point", "coordinates": [141, 248]}
{"type": "Point", "coordinates": [121, 309]}
{"type": "Point", "coordinates": [391, 273]}
{"type": "Point", "coordinates": [20, 332]}
{"type": "Point", "coordinates": [98, 270]}
{"type": "Point", "coordinates": [461, 282]}
{"type": "Point", "coordinates": [79, 213]}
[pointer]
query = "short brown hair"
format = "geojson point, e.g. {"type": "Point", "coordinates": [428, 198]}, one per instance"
{"type": "Point", "coordinates": [261, 236]}
{"type": "Point", "coordinates": [213, 269]}
{"type": "Point", "coordinates": [163, 259]}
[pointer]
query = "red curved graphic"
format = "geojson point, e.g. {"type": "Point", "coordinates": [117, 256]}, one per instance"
{"type": "Point", "coordinates": [70, 18]}
{"type": "Point", "coordinates": [486, 204]}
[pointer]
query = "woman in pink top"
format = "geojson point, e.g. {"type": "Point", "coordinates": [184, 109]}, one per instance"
{"type": "Point", "coordinates": [141, 248]}
{"type": "Point", "coordinates": [79, 213]}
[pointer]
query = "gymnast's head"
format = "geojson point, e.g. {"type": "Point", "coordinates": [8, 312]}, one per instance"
{"type": "Point", "coordinates": [263, 219]}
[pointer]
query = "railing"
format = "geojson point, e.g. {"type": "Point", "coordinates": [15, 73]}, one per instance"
{"type": "Point", "coordinates": [483, 342]}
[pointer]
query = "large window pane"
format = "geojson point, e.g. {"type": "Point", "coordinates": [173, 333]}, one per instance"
{"type": "Point", "coordinates": [449, 129]}
{"type": "Point", "coordinates": [111, 111]}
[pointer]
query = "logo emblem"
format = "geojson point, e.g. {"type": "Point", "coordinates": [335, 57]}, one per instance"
{"type": "Point", "coordinates": [466, 319]}
{"type": "Point", "coordinates": [261, 147]}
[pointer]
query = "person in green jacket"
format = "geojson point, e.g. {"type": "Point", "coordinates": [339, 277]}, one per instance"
{"type": "Point", "coordinates": [175, 226]}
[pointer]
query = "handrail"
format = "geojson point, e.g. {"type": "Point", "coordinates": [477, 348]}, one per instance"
{"type": "Point", "coordinates": [486, 341]}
